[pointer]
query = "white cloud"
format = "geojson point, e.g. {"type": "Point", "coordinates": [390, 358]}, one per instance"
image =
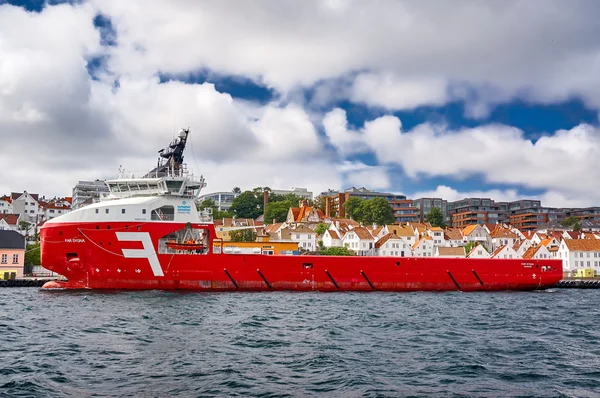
{"type": "Point", "coordinates": [359, 174]}
{"type": "Point", "coordinates": [411, 53]}
{"type": "Point", "coordinates": [336, 128]}
{"type": "Point", "coordinates": [388, 91]}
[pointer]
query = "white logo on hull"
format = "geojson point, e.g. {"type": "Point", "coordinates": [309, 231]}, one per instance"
{"type": "Point", "coordinates": [147, 251]}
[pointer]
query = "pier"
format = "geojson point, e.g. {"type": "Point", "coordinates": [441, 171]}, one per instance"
{"type": "Point", "coordinates": [25, 282]}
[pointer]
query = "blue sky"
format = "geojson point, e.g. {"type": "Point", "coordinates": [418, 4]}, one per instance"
{"type": "Point", "coordinates": [448, 100]}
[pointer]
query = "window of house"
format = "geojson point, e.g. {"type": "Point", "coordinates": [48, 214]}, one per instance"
{"type": "Point", "coordinates": [576, 263]}
{"type": "Point", "coordinates": [106, 211]}
{"type": "Point", "coordinates": [97, 211]}
{"type": "Point", "coordinates": [51, 211]}
{"type": "Point", "coordinates": [297, 236]}
{"type": "Point", "coordinates": [143, 211]}
{"type": "Point", "coordinates": [4, 258]}
{"type": "Point", "coordinates": [122, 211]}
{"type": "Point", "coordinates": [15, 259]}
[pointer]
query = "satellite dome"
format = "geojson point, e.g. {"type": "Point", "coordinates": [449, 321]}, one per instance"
{"type": "Point", "coordinates": [181, 133]}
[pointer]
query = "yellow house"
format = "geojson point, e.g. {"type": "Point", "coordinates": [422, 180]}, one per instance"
{"type": "Point", "coordinates": [12, 254]}
{"type": "Point", "coordinates": [584, 273]}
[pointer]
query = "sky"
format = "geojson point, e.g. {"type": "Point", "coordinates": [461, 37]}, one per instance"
{"type": "Point", "coordinates": [455, 99]}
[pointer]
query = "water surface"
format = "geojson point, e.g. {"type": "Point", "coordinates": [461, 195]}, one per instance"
{"type": "Point", "coordinates": [157, 344]}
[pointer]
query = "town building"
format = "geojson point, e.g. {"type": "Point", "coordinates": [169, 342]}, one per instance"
{"type": "Point", "coordinates": [302, 193]}
{"type": "Point", "coordinates": [6, 206]}
{"type": "Point", "coordinates": [223, 200]}
{"type": "Point", "coordinates": [88, 192]}
{"type": "Point", "coordinates": [27, 205]}
{"type": "Point", "coordinates": [477, 233]}
{"type": "Point", "coordinates": [478, 251]}
{"type": "Point", "coordinates": [10, 222]}
{"type": "Point", "coordinates": [480, 211]}
{"type": "Point", "coordinates": [305, 214]}
{"type": "Point", "coordinates": [12, 254]}
{"type": "Point", "coordinates": [360, 240]}
{"type": "Point", "coordinates": [402, 207]}
{"type": "Point", "coordinates": [331, 238]}
{"type": "Point", "coordinates": [423, 247]}
{"type": "Point", "coordinates": [505, 251]}
{"type": "Point", "coordinates": [424, 205]}
{"type": "Point", "coordinates": [579, 254]}
{"type": "Point", "coordinates": [392, 245]}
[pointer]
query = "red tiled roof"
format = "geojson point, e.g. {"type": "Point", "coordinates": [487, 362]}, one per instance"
{"type": "Point", "coordinates": [468, 229]}
{"type": "Point", "coordinates": [573, 234]}
{"type": "Point", "coordinates": [498, 250]}
{"type": "Point", "coordinates": [453, 234]}
{"type": "Point", "coordinates": [6, 198]}
{"type": "Point", "coordinates": [531, 252]}
{"type": "Point", "coordinates": [528, 234]}
{"type": "Point", "coordinates": [333, 234]}
{"type": "Point", "coordinates": [503, 233]}
{"type": "Point", "coordinates": [11, 219]}
{"type": "Point", "coordinates": [362, 233]}
{"type": "Point", "coordinates": [583, 245]}
{"type": "Point", "coordinates": [382, 240]}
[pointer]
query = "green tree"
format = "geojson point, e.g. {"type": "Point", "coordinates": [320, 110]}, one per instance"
{"type": "Point", "coordinates": [378, 211]}
{"type": "Point", "coordinates": [242, 235]}
{"type": "Point", "coordinates": [277, 211]}
{"type": "Point", "coordinates": [249, 204]}
{"type": "Point", "coordinates": [321, 228]}
{"type": "Point", "coordinates": [570, 222]}
{"type": "Point", "coordinates": [471, 245]}
{"type": "Point", "coordinates": [352, 206]}
{"type": "Point", "coordinates": [24, 226]}
{"type": "Point", "coordinates": [32, 255]}
{"type": "Point", "coordinates": [320, 202]}
{"type": "Point", "coordinates": [436, 218]}
{"type": "Point", "coordinates": [577, 226]}
{"type": "Point", "coordinates": [337, 251]}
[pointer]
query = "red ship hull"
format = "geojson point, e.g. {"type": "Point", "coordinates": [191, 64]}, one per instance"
{"type": "Point", "coordinates": [126, 256]}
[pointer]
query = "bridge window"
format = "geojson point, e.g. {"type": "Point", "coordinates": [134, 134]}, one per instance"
{"type": "Point", "coordinates": [143, 211]}
{"type": "Point", "coordinates": [122, 211]}
{"type": "Point", "coordinates": [164, 213]}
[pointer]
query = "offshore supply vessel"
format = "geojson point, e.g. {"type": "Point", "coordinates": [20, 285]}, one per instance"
{"type": "Point", "coordinates": [147, 234]}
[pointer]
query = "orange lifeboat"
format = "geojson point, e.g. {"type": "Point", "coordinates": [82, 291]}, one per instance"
{"type": "Point", "coordinates": [188, 245]}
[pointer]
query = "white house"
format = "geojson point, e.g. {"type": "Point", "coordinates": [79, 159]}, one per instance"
{"type": "Point", "coordinates": [505, 251]}
{"type": "Point", "coordinates": [331, 238]}
{"type": "Point", "coordinates": [537, 252]}
{"type": "Point", "coordinates": [437, 234]}
{"type": "Point", "coordinates": [392, 245]}
{"type": "Point", "coordinates": [6, 206]}
{"type": "Point", "coordinates": [502, 236]}
{"type": "Point", "coordinates": [477, 233]}
{"type": "Point", "coordinates": [580, 253]}
{"type": "Point", "coordinates": [478, 251]}
{"type": "Point", "coordinates": [453, 238]}
{"type": "Point", "coordinates": [520, 247]}
{"type": "Point", "coordinates": [306, 238]}
{"type": "Point", "coordinates": [423, 247]}
{"type": "Point", "coordinates": [450, 252]}
{"type": "Point", "coordinates": [360, 240]}
{"type": "Point", "coordinates": [12, 220]}
{"type": "Point", "coordinates": [27, 206]}
{"type": "Point", "coordinates": [407, 233]}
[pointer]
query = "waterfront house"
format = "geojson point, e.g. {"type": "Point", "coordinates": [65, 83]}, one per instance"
{"type": "Point", "coordinates": [392, 245]}
{"type": "Point", "coordinates": [437, 234]}
{"type": "Point", "coordinates": [478, 251]}
{"type": "Point", "coordinates": [453, 238]}
{"type": "Point", "coordinates": [505, 251]}
{"type": "Point", "coordinates": [502, 236]}
{"type": "Point", "coordinates": [403, 232]}
{"type": "Point", "coordinates": [476, 233]}
{"type": "Point", "coordinates": [331, 238]}
{"type": "Point", "coordinates": [6, 206]}
{"type": "Point", "coordinates": [579, 254]}
{"type": "Point", "coordinates": [360, 240]}
{"type": "Point", "coordinates": [12, 254]}
{"type": "Point", "coordinates": [520, 247]}
{"type": "Point", "coordinates": [537, 252]}
{"type": "Point", "coordinates": [10, 220]}
{"type": "Point", "coordinates": [423, 247]}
